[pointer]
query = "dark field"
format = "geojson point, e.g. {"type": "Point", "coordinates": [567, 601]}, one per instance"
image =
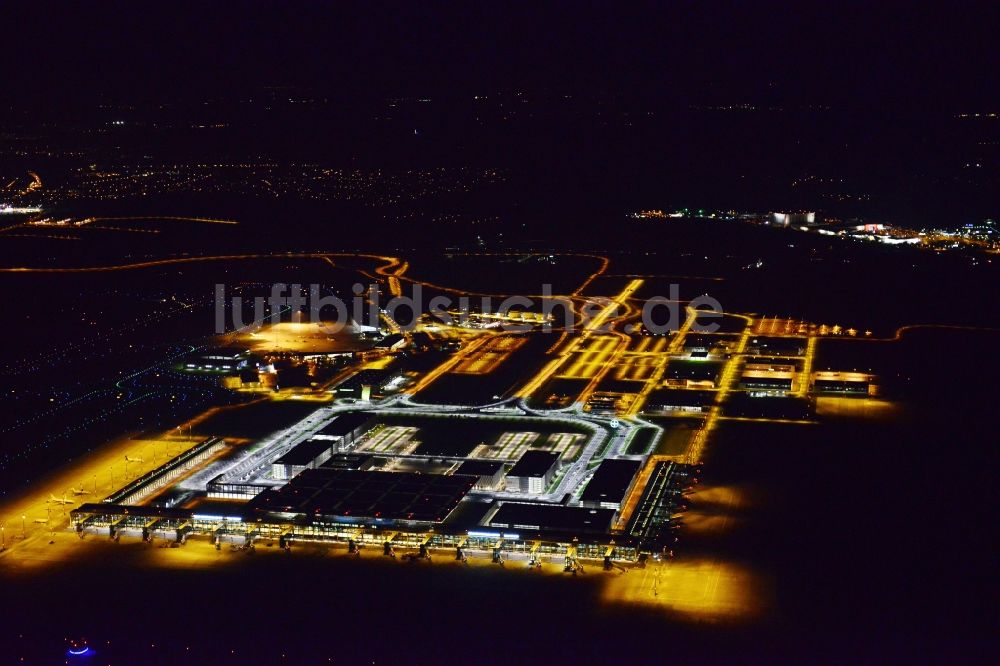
{"type": "Point", "coordinates": [641, 441]}
{"type": "Point", "coordinates": [676, 433]}
{"type": "Point", "coordinates": [254, 421]}
{"type": "Point", "coordinates": [558, 392]}
{"type": "Point", "coordinates": [506, 274]}
{"type": "Point", "coordinates": [612, 385]}
{"type": "Point", "coordinates": [514, 371]}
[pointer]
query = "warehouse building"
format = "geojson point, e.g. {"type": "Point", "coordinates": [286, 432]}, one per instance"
{"type": "Point", "coordinates": [678, 400]}
{"type": "Point", "coordinates": [845, 383]}
{"type": "Point", "coordinates": [767, 381]}
{"type": "Point", "coordinates": [699, 374]}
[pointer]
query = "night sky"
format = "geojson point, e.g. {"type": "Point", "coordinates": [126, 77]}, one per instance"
{"type": "Point", "coordinates": [906, 55]}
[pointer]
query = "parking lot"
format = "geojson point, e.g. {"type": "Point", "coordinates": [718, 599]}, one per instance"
{"type": "Point", "coordinates": [485, 359]}
{"type": "Point", "coordinates": [590, 357]}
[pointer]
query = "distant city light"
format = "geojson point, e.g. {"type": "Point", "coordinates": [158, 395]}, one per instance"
{"type": "Point", "coordinates": [7, 209]}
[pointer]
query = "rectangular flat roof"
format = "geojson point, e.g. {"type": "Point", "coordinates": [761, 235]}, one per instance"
{"type": "Point", "coordinates": [304, 453]}
{"type": "Point", "coordinates": [760, 362]}
{"type": "Point", "coordinates": [611, 481]}
{"type": "Point", "coordinates": [479, 467]}
{"type": "Point", "coordinates": [698, 370]}
{"type": "Point", "coordinates": [143, 511]}
{"type": "Point", "coordinates": [534, 463]}
{"type": "Point", "coordinates": [347, 461]}
{"type": "Point", "coordinates": [835, 376]}
{"type": "Point", "coordinates": [345, 423]}
{"type": "Point", "coordinates": [680, 397]}
{"type": "Point", "coordinates": [768, 374]}
{"type": "Point", "coordinates": [348, 493]}
{"type": "Point", "coordinates": [555, 517]}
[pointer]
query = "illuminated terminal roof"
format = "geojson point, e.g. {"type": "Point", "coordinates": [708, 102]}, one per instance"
{"type": "Point", "coordinates": [552, 517]}
{"type": "Point", "coordinates": [353, 495]}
